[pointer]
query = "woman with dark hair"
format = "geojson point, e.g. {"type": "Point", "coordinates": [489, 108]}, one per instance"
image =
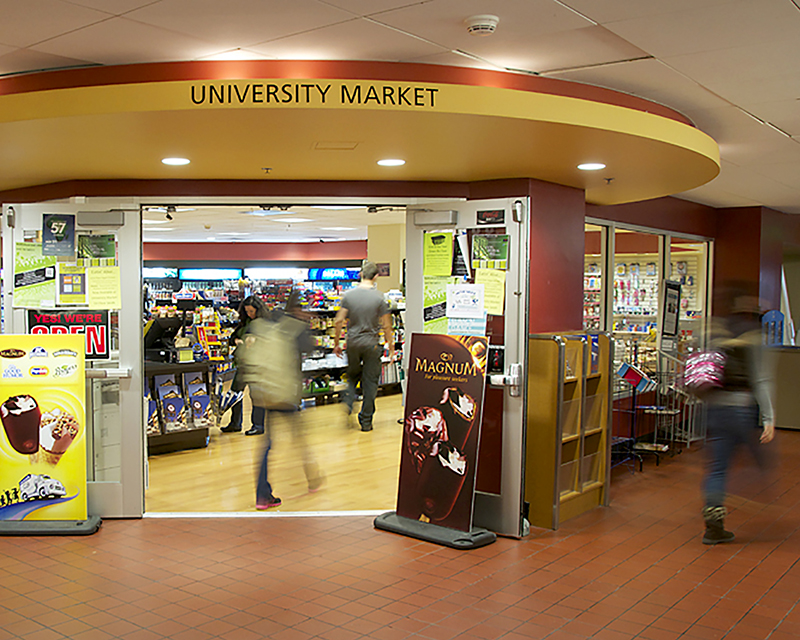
{"type": "Point", "coordinates": [252, 307]}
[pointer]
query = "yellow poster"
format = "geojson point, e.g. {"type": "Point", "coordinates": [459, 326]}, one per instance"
{"type": "Point", "coordinates": [71, 284]}
{"type": "Point", "coordinates": [43, 438]}
{"type": "Point", "coordinates": [494, 289]}
{"type": "Point", "coordinates": [103, 288]}
{"type": "Point", "coordinates": [437, 249]}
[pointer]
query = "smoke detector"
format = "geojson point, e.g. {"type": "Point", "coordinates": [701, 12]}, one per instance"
{"type": "Point", "coordinates": [482, 25]}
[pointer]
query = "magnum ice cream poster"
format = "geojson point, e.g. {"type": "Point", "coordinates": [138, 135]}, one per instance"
{"type": "Point", "coordinates": [441, 429]}
{"type": "Point", "coordinates": [43, 434]}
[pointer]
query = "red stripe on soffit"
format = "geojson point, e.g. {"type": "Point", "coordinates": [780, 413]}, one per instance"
{"type": "Point", "coordinates": [211, 70]}
{"type": "Point", "coordinates": [260, 251]}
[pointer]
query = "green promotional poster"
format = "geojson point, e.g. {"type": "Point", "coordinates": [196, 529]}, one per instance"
{"type": "Point", "coordinates": [437, 249]}
{"type": "Point", "coordinates": [434, 303]}
{"type": "Point", "coordinates": [34, 277]}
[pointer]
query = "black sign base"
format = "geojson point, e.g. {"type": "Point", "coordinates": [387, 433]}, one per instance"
{"type": "Point", "coordinates": [390, 521]}
{"type": "Point", "coordinates": [50, 527]}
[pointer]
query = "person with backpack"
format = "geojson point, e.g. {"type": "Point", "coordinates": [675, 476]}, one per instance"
{"type": "Point", "coordinates": [273, 371]}
{"type": "Point", "coordinates": [737, 407]}
{"type": "Point", "coordinates": [252, 307]}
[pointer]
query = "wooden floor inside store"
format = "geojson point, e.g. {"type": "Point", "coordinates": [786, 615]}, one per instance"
{"type": "Point", "coordinates": [361, 468]}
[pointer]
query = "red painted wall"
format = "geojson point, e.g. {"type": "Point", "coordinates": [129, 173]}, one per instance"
{"type": "Point", "coordinates": [355, 250]}
{"type": "Point", "coordinates": [668, 214]}
{"type": "Point", "coordinates": [557, 243]}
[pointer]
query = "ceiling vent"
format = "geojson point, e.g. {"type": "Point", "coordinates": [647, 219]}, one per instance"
{"type": "Point", "coordinates": [482, 25]}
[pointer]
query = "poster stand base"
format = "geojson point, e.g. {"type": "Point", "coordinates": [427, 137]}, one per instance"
{"type": "Point", "coordinates": [473, 539]}
{"type": "Point", "coordinates": [50, 527]}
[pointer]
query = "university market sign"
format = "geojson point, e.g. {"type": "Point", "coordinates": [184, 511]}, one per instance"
{"type": "Point", "coordinates": [306, 93]}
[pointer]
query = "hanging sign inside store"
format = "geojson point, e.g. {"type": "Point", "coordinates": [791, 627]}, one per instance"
{"type": "Point", "coordinates": [58, 234]}
{"type": "Point", "coordinates": [442, 421]}
{"type": "Point", "coordinates": [92, 325]}
{"type": "Point", "coordinates": [34, 276]}
{"type": "Point", "coordinates": [336, 94]}
{"type": "Point", "coordinates": [333, 273]}
{"type": "Point", "coordinates": [43, 439]}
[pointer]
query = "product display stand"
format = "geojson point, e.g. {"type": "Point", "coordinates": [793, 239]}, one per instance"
{"type": "Point", "coordinates": [50, 527]}
{"type": "Point", "coordinates": [473, 539]}
{"type": "Point", "coordinates": [568, 450]}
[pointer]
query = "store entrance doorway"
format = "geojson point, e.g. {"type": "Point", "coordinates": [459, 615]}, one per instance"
{"type": "Point", "coordinates": [200, 262]}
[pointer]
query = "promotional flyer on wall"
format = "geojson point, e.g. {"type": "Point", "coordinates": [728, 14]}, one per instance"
{"type": "Point", "coordinates": [43, 439]}
{"type": "Point", "coordinates": [443, 409]}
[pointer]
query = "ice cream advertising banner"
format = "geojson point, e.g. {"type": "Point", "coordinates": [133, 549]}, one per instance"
{"type": "Point", "coordinates": [43, 439]}
{"type": "Point", "coordinates": [443, 408]}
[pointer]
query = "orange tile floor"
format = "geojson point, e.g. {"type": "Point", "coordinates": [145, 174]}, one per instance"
{"type": "Point", "coordinates": [634, 570]}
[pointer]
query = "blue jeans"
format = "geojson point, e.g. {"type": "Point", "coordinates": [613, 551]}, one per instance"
{"type": "Point", "coordinates": [729, 427]}
{"type": "Point", "coordinates": [363, 364]}
{"type": "Point", "coordinates": [257, 416]}
{"type": "Point", "coordinates": [263, 487]}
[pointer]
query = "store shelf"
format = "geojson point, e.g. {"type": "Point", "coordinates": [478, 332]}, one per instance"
{"type": "Point", "coordinates": [567, 441]}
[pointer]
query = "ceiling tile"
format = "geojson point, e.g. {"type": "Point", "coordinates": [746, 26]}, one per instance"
{"type": "Point", "coordinates": [521, 21]}
{"type": "Point", "coordinates": [372, 7]}
{"type": "Point", "coordinates": [32, 21]}
{"type": "Point", "coordinates": [243, 22]}
{"type": "Point", "coordinates": [606, 11]}
{"type": "Point", "coordinates": [121, 41]}
{"type": "Point", "coordinates": [353, 40]}
{"type": "Point", "coordinates": [649, 79]}
{"type": "Point", "coordinates": [727, 26]}
{"type": "Point", "coordinates": [784, 114]}
{"type": "Point", "coordinates": [20, 60]}
{"type": "Point", "coordinates": [115, 7]}
{"type": "Point", "coordinates": [582, 47]}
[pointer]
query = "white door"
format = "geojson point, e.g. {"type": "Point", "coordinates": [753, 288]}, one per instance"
{"type": "Point", "coordinates": [114, 403]}
{"type": "Point", "coordinates": [499, 495]}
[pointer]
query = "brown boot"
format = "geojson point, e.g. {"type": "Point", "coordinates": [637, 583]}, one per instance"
{"type": "Point", "coordinates": [715, 526]}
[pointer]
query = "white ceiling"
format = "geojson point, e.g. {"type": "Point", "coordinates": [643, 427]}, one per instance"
{"type": "Point", "coordinates": [731, 66]}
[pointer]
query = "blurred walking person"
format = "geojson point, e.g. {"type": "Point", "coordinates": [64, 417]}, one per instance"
{"type": "Point", "coordinates": [273, 370]}
{"type": "Point", "coordinates": [739, 407]}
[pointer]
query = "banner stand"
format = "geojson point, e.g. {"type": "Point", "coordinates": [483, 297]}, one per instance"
{"type": "Point", "coordinates": [454, 538]}
{"type": "Point", "coordinates": [50, 527]}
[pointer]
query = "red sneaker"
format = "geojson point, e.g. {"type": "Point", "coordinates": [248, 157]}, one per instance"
{"type": "Point", "coordinates": [268, 504]}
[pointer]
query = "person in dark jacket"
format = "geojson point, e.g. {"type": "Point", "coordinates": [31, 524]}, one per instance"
{"type": "Point", "coordinates": [251, 308]}
{"type": "Point", "coordinates": [740, 413]}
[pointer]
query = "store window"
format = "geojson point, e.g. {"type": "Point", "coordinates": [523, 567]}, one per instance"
{"type": "Point", "coordinates": [593, 271]}
{"type": "Point", "coordinates": [689, 268]}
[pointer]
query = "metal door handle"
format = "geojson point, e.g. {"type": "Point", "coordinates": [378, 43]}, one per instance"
{"type": "Point", "coordinates": [510, 379]}
{"type": "Point", "coordinates": [108, 373]}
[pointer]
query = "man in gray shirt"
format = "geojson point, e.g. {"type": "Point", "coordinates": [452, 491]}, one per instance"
{"type": "Point", "coordinates": [366, 312]}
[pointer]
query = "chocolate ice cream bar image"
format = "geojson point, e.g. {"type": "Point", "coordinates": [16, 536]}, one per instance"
{"type": "Point", "coordinates": [425, 428]}
{"type": "Point", "coordinates": [197, 380]}
{"type": "Point", "coordinates": [458, 410]}
{"type": "Point", "coordinates": [21, 416]}
{"type": "Point", "coordinates": [441, 480]}
{"type": "Point", "coordinates": [171, 394]}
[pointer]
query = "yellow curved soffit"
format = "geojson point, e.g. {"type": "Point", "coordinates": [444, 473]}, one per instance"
{"type": "Point", "coordinates": [683, 156]}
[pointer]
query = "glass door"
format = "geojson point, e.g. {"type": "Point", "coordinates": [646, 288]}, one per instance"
{"type": "Point", "coordinates": [498, 498]}
{"type": "Point", "coordinates": [108, 241]}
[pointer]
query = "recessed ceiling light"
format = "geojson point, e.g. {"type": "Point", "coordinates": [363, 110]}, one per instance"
{"type": "Point", "coordinates": [391, 162]}
{"type": "Point", "coordinates": [176, 162]}
{"type": "Point", "coordinates": [591, 166]}
{"type": "Point", "coordinates": [155, 221]}
{"type": "Point", "coordinates": [262, 213]}
{"type": "Point", "coordinates": [233, 233]}
{"type": "Point", "coordinates": [335, 207]}
{"type": "Point", "coordinates": [338, 228]}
